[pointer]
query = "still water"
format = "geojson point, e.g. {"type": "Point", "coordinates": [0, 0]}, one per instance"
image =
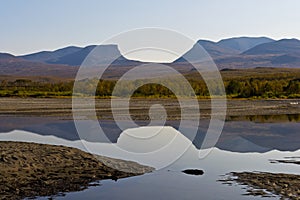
{"type": "Point", "coordinates": [245, 145]}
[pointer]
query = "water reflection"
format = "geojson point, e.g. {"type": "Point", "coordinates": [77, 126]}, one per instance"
{"type": "Point", "coordinates": [169, 183]}
{"type": "Point", "coordinates": [153, 146]}
{"type": "Point", "coordinates": [237, 136]}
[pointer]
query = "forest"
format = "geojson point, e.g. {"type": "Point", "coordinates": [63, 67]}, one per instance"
{"type": "Point", "coordinates": [251, 83]}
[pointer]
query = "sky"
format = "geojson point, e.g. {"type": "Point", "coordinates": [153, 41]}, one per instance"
{"type": "Point", "coordinates": [33, 25]}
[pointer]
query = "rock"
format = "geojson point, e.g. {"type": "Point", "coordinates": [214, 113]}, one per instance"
{"type": "Point", "coordinates": [196, 172]}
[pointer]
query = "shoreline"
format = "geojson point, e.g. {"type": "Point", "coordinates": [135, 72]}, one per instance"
{"type": "Point", "coordinates": [139, 108]}
{"type": "Point", "coordinates": [266, 184]}
{"type": "Point", "coordinates": [29, 170]}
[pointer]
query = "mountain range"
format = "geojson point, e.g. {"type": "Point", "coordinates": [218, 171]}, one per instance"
{"type": "Point", "coordinates": [246, 52]}
{"type": "Point", "coordinates": [242, 52]}
{"type": "Point", "coordinates": [229, 47]}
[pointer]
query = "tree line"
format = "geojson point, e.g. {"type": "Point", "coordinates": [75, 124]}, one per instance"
{"type": "Point", "coordinates": [235, 88]}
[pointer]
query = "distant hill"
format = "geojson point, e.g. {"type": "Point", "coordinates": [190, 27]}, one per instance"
{"type": "Point", "coordinates": [216, 50]}
{"type": "Point", "coordinates": [242, 44]}
{"type": "Point", "coordinates": [232, 53]}
{"type": "Point", "coordinates": [50, 56]}
{"type": "Point", "coordinates": [285, 46]}
{"type": "Point", "coordinates": [212, 48]}
{"type": "Point", "coordinates": [282, 53]}
{"type": "Point", "coordinates": [64, 63]}
{"type": "Point", "coordinates": [74, 56]}
{"type": "Point", "coordinates": [8, 57]}
{"type": "Point", "coordinates": [226, 47]}
{"type": "Point", "coordinates": [15, 66]}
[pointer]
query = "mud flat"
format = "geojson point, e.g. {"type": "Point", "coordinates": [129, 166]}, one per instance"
{"type": "Point", "coordinates": [31, 170]}
{"type": "Point", "coordinates": [139, 107]}
{"type": "Point", "coordinates": [265, 184]}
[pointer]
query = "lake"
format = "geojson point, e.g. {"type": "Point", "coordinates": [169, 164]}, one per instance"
{"type": "Point", "coordinates": [246, 144]}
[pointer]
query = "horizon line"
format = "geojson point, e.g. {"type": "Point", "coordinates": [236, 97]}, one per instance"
{"type": "Point", "coordinates": [84, 46]}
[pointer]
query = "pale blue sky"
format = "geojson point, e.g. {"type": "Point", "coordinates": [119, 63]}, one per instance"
{"type": "Point", "coordinates": [33, 25]}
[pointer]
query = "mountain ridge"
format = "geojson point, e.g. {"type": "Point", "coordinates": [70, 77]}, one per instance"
{"type": "Point", "coordinates": [225, 53]}
{"type": "Point", "coordinates": [225, 47]}
{"type": "Point", "coordinates": [242, 44]}
{"type": "Point", "coordinates": [45, 56]}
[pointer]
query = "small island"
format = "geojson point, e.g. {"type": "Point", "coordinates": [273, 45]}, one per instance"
{"type": "Point", "coordinates": [31, 170]}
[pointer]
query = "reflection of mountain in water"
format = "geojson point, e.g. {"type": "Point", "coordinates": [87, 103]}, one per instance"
{"type": "Point", "coordinates": [237, 136]}
{"type": "Point", "coordinates": [153, 146]}
{"type": "Point", "coordinates": [170, 182]}
{"type": "Point", "coordinates": [240, 144]}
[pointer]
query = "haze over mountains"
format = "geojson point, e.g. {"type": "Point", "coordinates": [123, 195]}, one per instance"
{"type": "Point", "coordinates": [242, 52]}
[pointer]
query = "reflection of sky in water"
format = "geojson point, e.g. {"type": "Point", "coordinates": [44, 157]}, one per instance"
{"type": "Point", "coordinates": [155, 146]}
{"type": "Point", "coordinates": [237, 136]}
{"type": "Point", "coordinates": [169, 183]}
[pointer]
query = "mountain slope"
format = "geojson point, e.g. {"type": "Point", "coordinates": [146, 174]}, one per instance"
{"type": "Point", "coordinates": [67, 66]}
{"type": "Point", "coordinates": [7, 56]}
{"type": "Point", "coordinates": [242, 44]}
{"type": "Point", "coordinates": [74, 56]}
{"type": "Point", "coordinates": [212, 48]}
{"type": "Point", "coordinates": [51, 56]}
{"type": "Point", "coordinates": [15, 66]}
{"type": "Point", "coordinates": [216, 50]}
{"type": "Point", "coordinates": [226, 47]}
{"type": "Point", "coordinates": [284, 46]}
{"type": "Point", "coordinates": [103, 53]}
{"type": "Point", "coordinates": [282, 53]}
{"type": "Point", "coordinates": [226, 54]}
